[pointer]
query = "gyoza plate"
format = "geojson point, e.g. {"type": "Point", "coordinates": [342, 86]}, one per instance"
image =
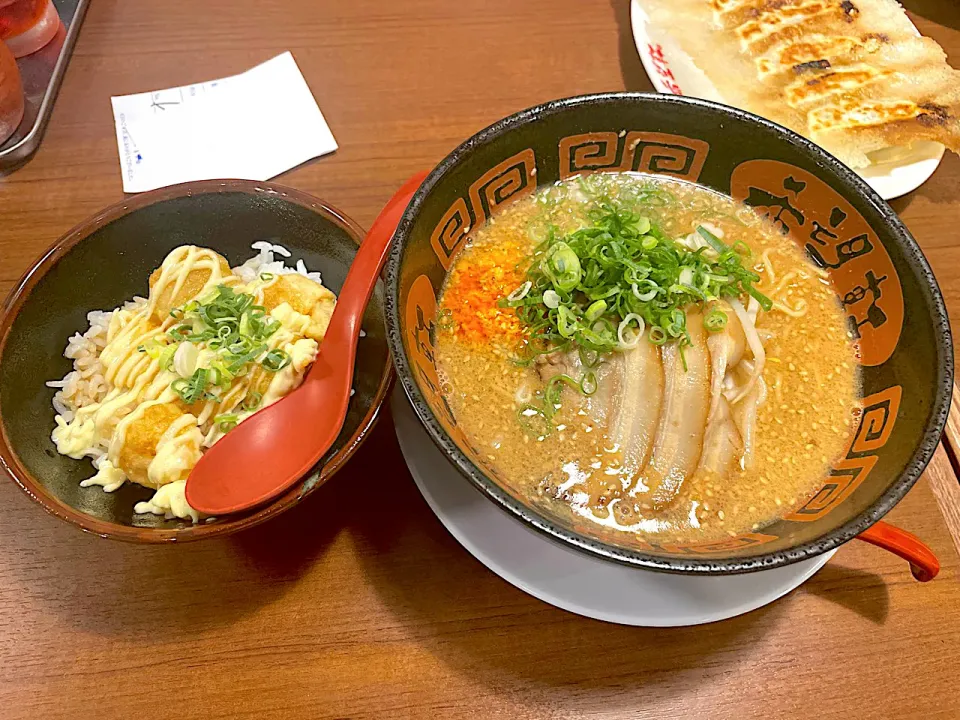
{"type": "Point", "coordinates": [672, 71]}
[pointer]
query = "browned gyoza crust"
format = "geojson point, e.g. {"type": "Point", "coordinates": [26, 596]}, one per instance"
{"type": "Point", "coordinates": [852, 75]}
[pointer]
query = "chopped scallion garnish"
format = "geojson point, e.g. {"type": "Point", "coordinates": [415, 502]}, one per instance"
{"type": "Point", "coordinates": [194, 388]}
{"type": "Point", "coordinates": [234, 328]}
{"type": "Point", "coordinates": [275, 360]}
{"type": "Point", "coordinates": [165, 358]}
{"type": "Point", "coordinates": [715, 320]}
{"type": "Point", "coordinates": [227, 421]}
{"type": "Point", "coordinates": [581, 287]}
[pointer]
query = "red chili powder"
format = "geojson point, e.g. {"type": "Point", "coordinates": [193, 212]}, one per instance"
{"type": "Point", "coordinates": [475, 285]}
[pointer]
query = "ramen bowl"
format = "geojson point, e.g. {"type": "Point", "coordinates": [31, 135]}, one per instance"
{"type": "Point", "coordinates": [888, 292]}
{"type": "Point", "coordinates": [106, 261]}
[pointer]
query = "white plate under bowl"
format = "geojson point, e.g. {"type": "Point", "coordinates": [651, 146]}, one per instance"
{"type": "Point", "coordinates": [570, 579]}
{"type": "Point", "coordinates": [672, 71]}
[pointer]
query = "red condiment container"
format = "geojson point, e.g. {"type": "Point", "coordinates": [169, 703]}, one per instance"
{"type": "Point", "coordinates": [27, 25]}
{"type": "Point", "coordinates": [11, 94]}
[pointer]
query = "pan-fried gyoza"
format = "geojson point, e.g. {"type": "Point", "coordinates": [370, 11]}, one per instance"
{"type": "Point", "coordinates": [852, 75]}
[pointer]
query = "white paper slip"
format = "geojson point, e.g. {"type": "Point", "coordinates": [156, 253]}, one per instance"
{"type": "Point", "coordinates": [251, 126]}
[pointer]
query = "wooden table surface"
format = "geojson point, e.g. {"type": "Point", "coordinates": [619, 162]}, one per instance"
{"type": "Point", "coordinates": [327, 613]}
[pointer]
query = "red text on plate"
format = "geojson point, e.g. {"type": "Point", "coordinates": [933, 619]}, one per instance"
{"type": "Point", "coordinates": [662, 67]}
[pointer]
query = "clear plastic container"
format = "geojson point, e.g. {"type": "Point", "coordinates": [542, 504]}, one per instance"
{"type": "Point", "coordinates": [11, 94]}
{"type": "Point", "coordinates": [27, 25]}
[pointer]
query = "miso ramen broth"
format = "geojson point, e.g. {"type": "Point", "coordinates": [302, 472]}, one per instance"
{"type": "Point", "coordinates": [648, 355]}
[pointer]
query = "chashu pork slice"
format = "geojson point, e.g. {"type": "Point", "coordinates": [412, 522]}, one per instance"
{"type": "Point", "coordinates": [683, 417]}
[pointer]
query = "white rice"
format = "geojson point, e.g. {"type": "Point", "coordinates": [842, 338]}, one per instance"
{"type": "Point", "coordinates": [265, 262]}
{"type": "Point", "coordinates": [85, 383]}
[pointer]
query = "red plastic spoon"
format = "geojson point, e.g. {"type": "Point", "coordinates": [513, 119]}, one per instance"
{"type": "Point", "coordinates": [269, 451]}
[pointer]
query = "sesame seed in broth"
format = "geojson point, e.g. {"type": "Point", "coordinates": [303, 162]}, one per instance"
{"type": "Point", "coordinates": [811, 375]}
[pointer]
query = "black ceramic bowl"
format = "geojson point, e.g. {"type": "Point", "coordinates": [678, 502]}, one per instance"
{"type": "Point", "coordinates": [107, 260]}
{"type": "Point", "coordinates": [901, 320]}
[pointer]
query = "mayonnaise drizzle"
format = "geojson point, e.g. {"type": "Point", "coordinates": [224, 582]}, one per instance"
{"type": "Point", "coordinates": [178, 450]}
{"type": "Point", "coordinates": [108, 476]}
{"type": "Point", "coordinates": [169, 501]}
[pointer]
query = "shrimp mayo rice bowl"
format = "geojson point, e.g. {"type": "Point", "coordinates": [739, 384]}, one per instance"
{"type": "Point", "coordinates": [161, 378]}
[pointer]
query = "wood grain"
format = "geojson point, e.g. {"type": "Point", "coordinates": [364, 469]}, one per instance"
{"type": "Point", "coordinates": [942, 476]}
{"type": "Point", "coordinates": [357, 603]}
{"type": "Point", "coordinates": [951, 436]}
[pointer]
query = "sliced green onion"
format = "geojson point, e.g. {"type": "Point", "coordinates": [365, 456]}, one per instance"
{"type": "Point", "coordinates": [521, 292]}
{"type": "Point", "coordinates": [584, 284]}
{"type": "Point", "coordinates": [677, 324]}
{"type": "Point", "coordinates": [202, 336]}
{"type": "Point", "coordinates": [179, 332]}
{"type": "Point", "coordinates": [267, 276]}
{"type": "Point", "coordinates": [194, 388]}
{"type": "Point", "coordinates": [275, 360]}
{"type": "Point", "coordinates": [554, 389]}
{"type": "Point", "coordinates": [227, 421]}
{"type": "Point", "coordinates": [715, 320]}
{"type": "Point", "coordinates": [589, 358]}
{"type": "Point", "coordinates": [645, 296]}
{"type": "Point", "coordinates": [527, 413]}
{"type": "Point", "coordinates": [562, 265]}
{"type": "Point", "coordinates": [741, 248]}
{"type": "Point", "coordinates": [231, 325]}
{"type": "Point", "coordinates": [765, 302]}
{"type": "Point", "coordinates": [252, 401]}
{"type": "Point", "coordinates": [588, 383]}
{"type": "Point", "coordinates": [624, 327]}
{"type": "Point", "coordinates": [220, 373]}
{"type": "Point", "coordinates": [712, 240]}
{"type": "Point", "coordinates": [551, 298]}
{"type": "Point", "coordinates": [165, 358]}
{"type": "Point", "coordinates": [657, 335]}
{"type": "Point", "coordinates": [236, 363]}
{"type": "Point", "coordinates": [245, 327]}
{"type": "Point", "coordinates": [595, 310]}
{"type": "Point", "coordinates": [566, 321]}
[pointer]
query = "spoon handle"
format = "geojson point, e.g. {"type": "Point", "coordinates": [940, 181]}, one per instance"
{"type": "Point", "coordinates": [923, 563]}
{"type": "Point", "coordinates": [365, 268]}
{"type": "Point", "coordinates": [294, 433]}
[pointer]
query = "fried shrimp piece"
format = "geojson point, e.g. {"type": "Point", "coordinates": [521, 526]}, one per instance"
{"type": "Point", "coordinates": [304, 296]}
{"type": "Point", "coordinates": [184, 274]}
{"type": "Point", "coordinates": [160, 444]}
